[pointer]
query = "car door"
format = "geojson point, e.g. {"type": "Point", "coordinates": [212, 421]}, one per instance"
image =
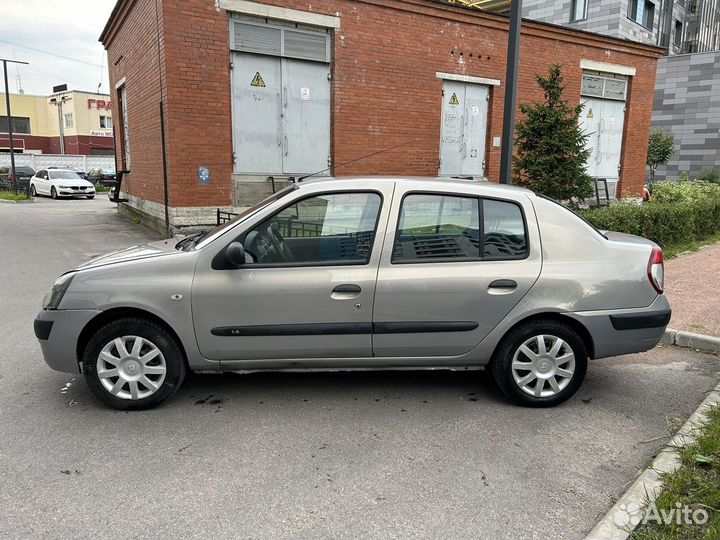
{"type": "Point", "coordinates": [307, 287]}
{"type": "Point", "coordinates": [453, 266]}
{"type": "Point", "coordinates": [42, 185]}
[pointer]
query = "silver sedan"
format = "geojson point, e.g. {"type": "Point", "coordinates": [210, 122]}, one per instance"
{"type": "Point", "coordinates": [364, 273]}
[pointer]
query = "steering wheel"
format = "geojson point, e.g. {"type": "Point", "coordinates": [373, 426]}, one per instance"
{"type": "Point", "coordinates": [280, 245]}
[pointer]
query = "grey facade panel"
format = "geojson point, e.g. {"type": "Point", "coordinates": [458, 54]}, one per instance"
{"type": "Point", "coordinates": [689, 107]}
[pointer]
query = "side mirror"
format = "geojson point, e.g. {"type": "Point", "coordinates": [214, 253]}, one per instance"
{"type": "Point", "coordinates": [235, 254]}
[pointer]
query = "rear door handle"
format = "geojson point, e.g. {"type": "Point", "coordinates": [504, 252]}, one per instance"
{"type": "Point", "coordinates": [347, 289]}
{"type": "Point", "coordinates": [503, 284]}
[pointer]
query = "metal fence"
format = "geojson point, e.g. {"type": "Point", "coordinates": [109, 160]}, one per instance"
{"type": "Point", "coordinates": [43, 161]}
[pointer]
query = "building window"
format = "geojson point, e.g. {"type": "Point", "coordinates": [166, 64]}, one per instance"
{"type": "Point", "coordinates": [20, 124]}
{"type": "Point", "coordinates": [642, 12]}
{"type": "Point", "coordinates": [677, 40]}
{"type": "Point", "coordinates": [578, 10]}
{"type": "Point", "coordinates": [69, 120]}
{"type": "Point", "coordinates": [106, 122]}
{"type": "Point", "coordinates": [122, 103]}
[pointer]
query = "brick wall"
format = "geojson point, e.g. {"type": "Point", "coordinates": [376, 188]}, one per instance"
{"type": "Point", "coordinates": [133, 54]}
{"type": "Point", "coordinates": [385, 91]}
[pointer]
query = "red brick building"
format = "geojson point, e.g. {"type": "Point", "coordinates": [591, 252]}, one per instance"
{"type": "Point", "coordinates": [259, 92]}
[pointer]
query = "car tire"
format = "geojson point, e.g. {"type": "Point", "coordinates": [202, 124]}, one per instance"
{"type": "Point", "coordinates": [53, 192]}
{"type": "Point", "coordinates": [91, 196]}
{"type": "Point", "coordinates": [540, 378]}
{"type": "Point", "coordinates": [33, 192]}
{"type": "Point", "coordinates": [128, 375]}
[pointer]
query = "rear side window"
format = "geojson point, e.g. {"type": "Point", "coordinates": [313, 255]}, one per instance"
{"type": "Point", "coordinates": [446, 228]}
{"type": "Point", "coordinates": [437, 227]}
{"type": "Point", "coordinates": [503, 230]}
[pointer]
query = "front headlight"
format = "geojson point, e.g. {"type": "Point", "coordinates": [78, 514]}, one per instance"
{"type": "Point", "coordinates": [62, 187]}
{"type": "Point", "coordinates": [57, 291]}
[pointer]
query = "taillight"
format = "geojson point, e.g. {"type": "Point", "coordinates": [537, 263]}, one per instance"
{"type": "Point", "coordinates": [656, 270]}
{"type": "Point", "coordinates": [10, 178]}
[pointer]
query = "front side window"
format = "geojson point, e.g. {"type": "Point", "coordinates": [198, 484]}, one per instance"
{"type": "Point", "coordinates": [437, 227]}
{"type": "Point", "coordinates": [69, 120]}
{"type": "Point", "coordinates": [578, 10]}
{"type": "Point", "coordinates": [329, 229]}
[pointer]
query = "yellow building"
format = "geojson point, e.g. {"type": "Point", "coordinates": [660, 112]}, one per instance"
{"type": "Point", "coordinates": [69, 122]}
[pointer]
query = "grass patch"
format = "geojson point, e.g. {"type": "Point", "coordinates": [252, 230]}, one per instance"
{"type": "Point", "coordinates": [10, 196]}
{"type": "Point", "coordinates": [695, 484]}
{"type": "Point", "coordinates": [673, 250]}
{"type": "Point", "coordinates": [99, 188]}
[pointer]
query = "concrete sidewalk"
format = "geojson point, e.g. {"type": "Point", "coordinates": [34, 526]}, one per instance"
{"type": "Point", "coordinates": [692, 285]}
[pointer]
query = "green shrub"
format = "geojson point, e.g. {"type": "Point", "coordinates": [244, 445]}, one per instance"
{"type": "Point", "coordinates": [678, 212]}
{"type": "Point", "coordinates": [709, 175]}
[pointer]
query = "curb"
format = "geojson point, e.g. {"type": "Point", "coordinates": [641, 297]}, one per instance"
{"type": "Point", "coordinates": [690, 340]}
{"type": "Point", "coordinates": [16, 202]}
{"type": "Point", "coordinates": [648, 486]}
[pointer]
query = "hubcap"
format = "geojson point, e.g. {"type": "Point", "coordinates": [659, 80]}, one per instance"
{"type": "Point", "coordinates": [131, 367]}
{"type": "Point", "coordinates": [543, 366]}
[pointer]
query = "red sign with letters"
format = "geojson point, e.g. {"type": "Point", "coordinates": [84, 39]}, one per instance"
{"type": "Point", "coordinates": [98, 104]}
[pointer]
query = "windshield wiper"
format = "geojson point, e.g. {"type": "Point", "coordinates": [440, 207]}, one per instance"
{"type": "Point", "coordinates": [188, 242]}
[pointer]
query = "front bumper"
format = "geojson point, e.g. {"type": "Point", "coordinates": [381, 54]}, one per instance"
{"type": "Point", "coordinates": [58, 332]}
{"type": "Point", "coordinates": [70, 192]}
{"type": "Point", "coordinates": [626, 331]}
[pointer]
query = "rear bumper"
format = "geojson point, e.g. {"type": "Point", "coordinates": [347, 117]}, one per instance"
{"type": "Point", "coordinates": [626, 331]}
{"type": "Point", "coordinates": [58, 332]}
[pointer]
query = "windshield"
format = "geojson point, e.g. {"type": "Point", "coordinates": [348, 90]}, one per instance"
{"type": "Point", "coordinates": [199, 240]}
{"type": "Point", "coordinates": [64, 175]}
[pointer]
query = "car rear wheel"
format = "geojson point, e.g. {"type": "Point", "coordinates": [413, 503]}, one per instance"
{"type": "Point", "coordinates": [53, 192]}
{"type": "Point", "coordinates": [540, 364]}
{"type": "Point", "coordinates": [133, 363]}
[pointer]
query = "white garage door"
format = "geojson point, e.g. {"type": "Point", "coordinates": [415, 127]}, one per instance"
{"type": "Point", "coordinates": [281, 99]}
{"type": "Point", "coordinates": [603, 119]}
{"type": "Point", "coordinates": [464, 129]}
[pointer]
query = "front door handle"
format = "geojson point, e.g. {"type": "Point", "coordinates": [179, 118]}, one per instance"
{"type": "Point", "coordinates": [346, 292]}
{"type": "Point", "coordinates": [503, 284]}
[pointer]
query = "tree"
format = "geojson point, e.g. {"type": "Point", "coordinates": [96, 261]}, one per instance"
{"type": "Point", "coordinates": [661, 147]}
{"type": "Point", "coordinates": [551, 150]}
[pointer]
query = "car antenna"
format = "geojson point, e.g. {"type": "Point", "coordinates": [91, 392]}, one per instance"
{"type": "Point", "coordinates": [357, 159]}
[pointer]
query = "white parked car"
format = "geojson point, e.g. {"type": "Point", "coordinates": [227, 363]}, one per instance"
{"type": "Point", "coordinates": [60, 183]}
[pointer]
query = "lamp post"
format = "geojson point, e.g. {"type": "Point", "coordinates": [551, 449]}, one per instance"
{"type": "Point", "coordinates": [513, 58]}
{"type": "Point", "coordinates": [9, 114]}
{"type": "Point", "coordinates": [58, 102]}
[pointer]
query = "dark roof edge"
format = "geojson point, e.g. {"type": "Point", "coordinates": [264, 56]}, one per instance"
{"type": "Point", "coordinates": [111, 20]}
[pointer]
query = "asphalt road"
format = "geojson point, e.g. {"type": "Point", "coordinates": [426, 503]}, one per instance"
{"type": "Point", "coordinates": [359, 455]}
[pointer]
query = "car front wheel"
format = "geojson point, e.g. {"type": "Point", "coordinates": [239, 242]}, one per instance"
{"type": "Point", "coordinates": [53, 193]}
{"type": "Point", "coordinates": [541, 363]}
{"type": "Point", "coordinates": [33, 192]}
{"type": "Point", "coordinates": [133, 363]}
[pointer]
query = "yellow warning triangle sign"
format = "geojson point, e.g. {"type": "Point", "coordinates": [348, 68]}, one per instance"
{"type": "Point", "coordinates": [258, 80]}
{"type": "Point", "coordinates": [454, 99]}
{"type": "Point", "coordinates": [590, 114]}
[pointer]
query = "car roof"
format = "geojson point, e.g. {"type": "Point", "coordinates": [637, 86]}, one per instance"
{"type": "Point", "coordinates": [426, 182]}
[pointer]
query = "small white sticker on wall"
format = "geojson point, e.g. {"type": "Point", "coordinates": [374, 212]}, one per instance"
{"type": "Point", "coordinates": [476, 110]}
{"type": "Point", "coordinates": [305, 93]}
